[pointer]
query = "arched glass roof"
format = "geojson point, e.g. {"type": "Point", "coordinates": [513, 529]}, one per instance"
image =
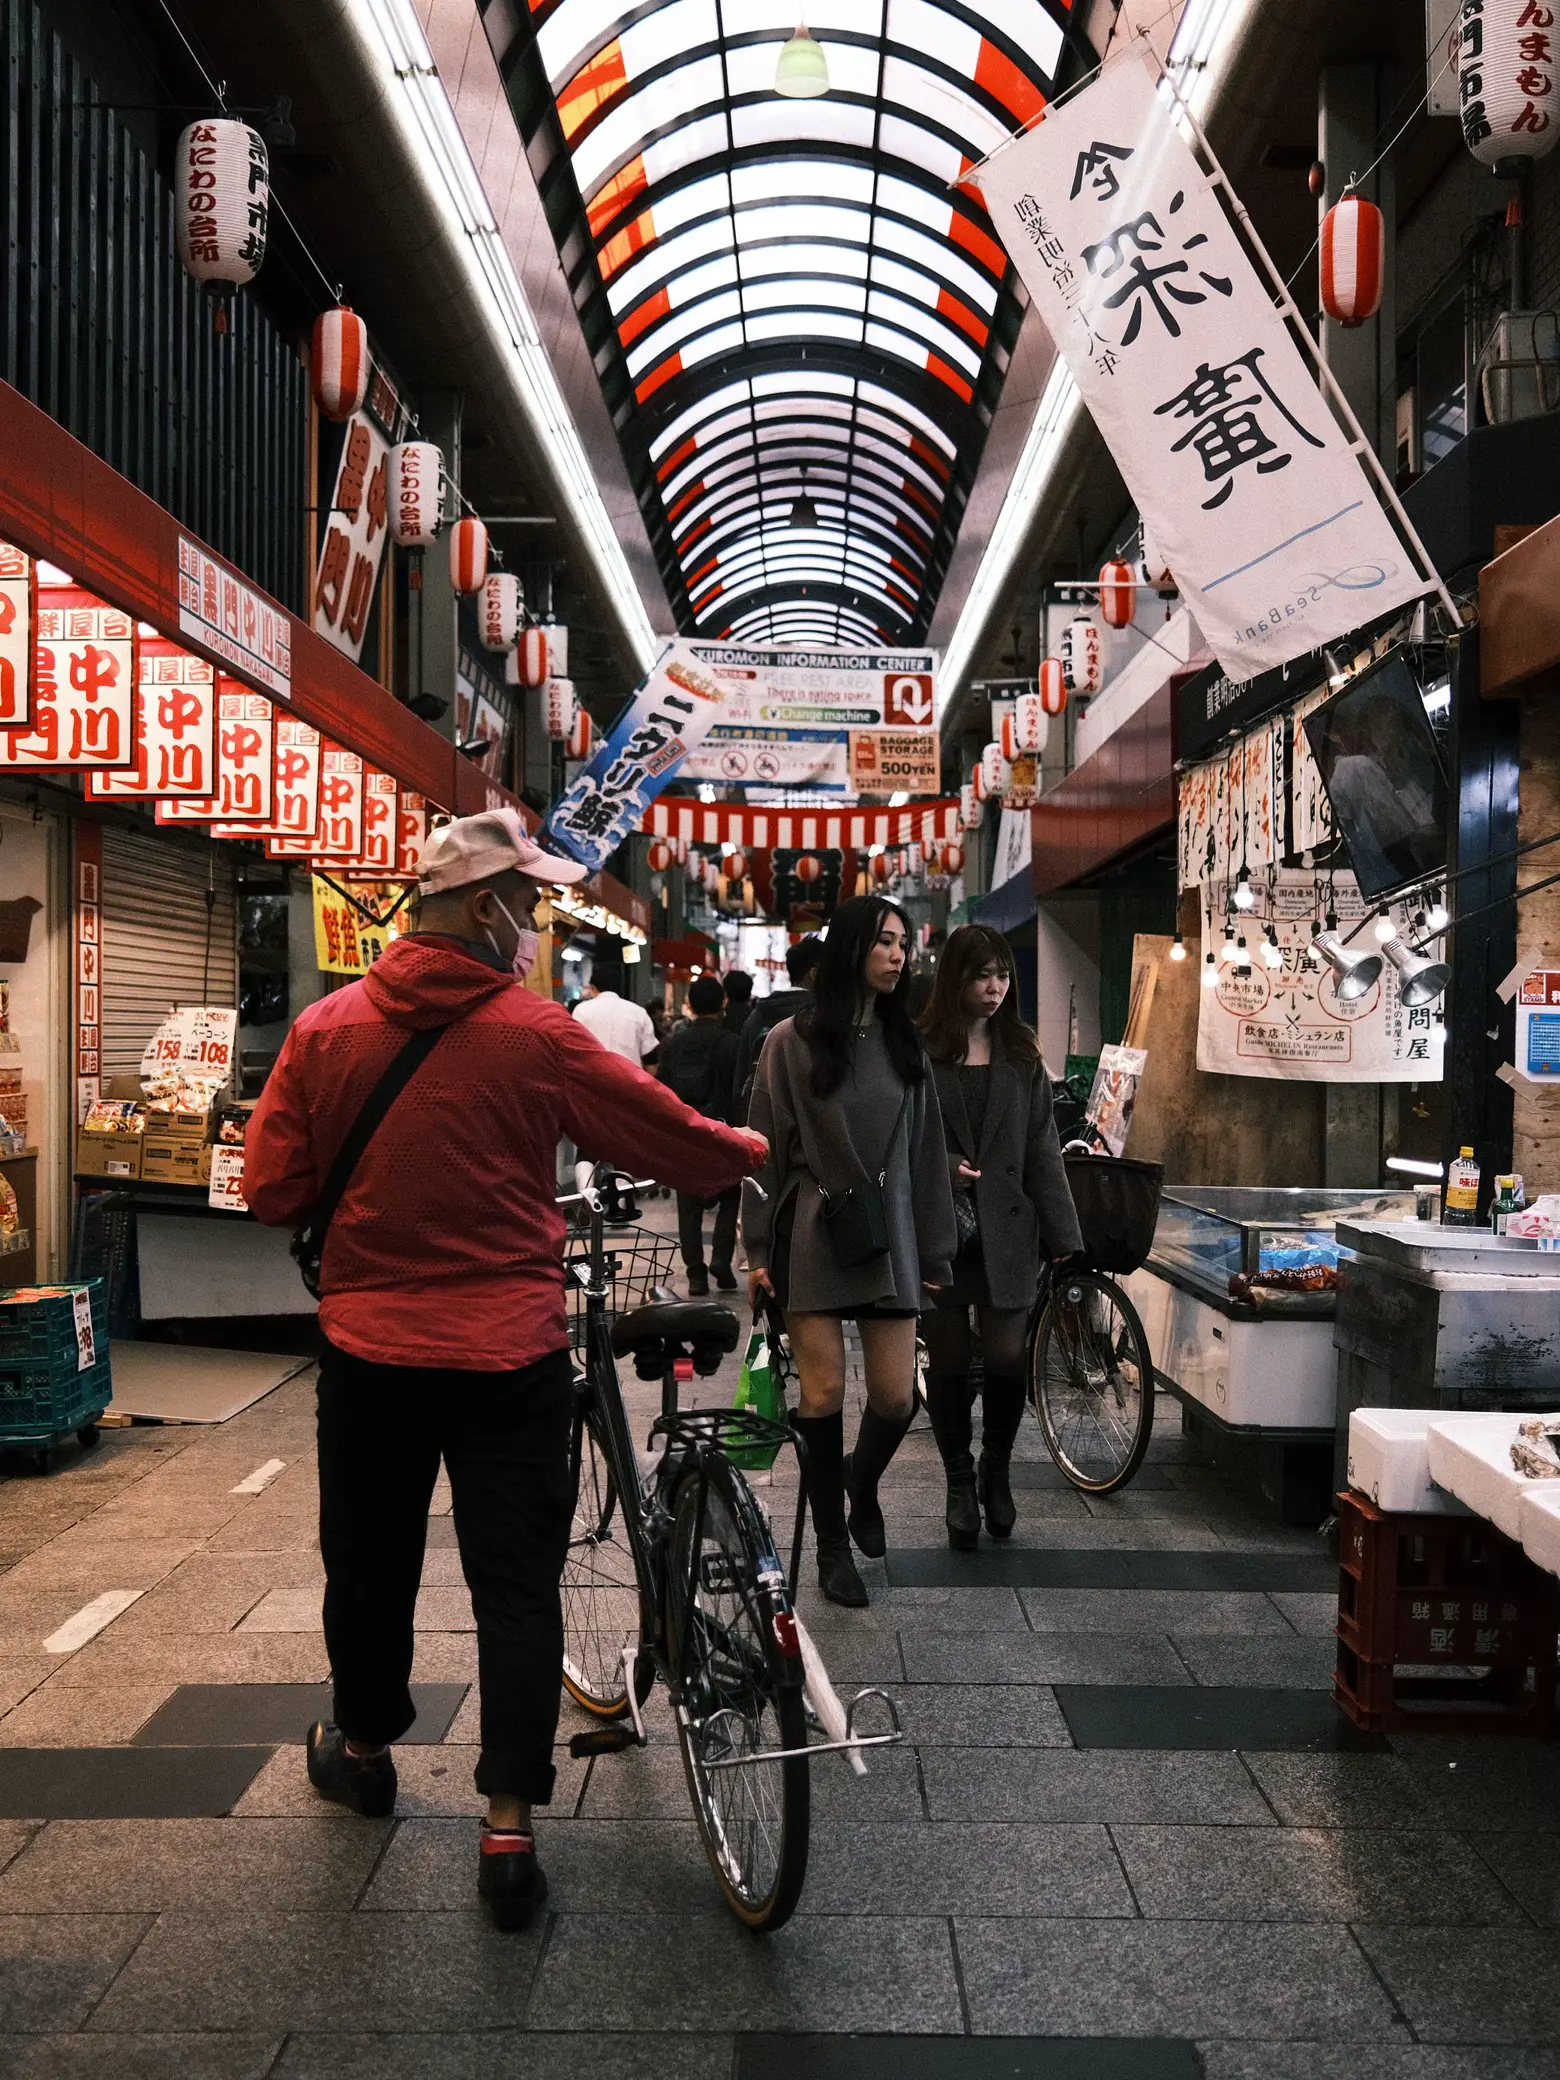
{"type": "Point", "coordinates": [786, 299]}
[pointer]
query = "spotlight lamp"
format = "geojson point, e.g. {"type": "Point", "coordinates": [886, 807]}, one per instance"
{"type": "Point", "coordinates": [1420, 980]}
{"type": "Point", "coordinates": [1386, 930]}
{"type": "Point", "coordinates": [1357, 973]}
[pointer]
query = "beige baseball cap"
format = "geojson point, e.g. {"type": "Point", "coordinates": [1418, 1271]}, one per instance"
{"type": "Point", "coordinates": [475, 848]}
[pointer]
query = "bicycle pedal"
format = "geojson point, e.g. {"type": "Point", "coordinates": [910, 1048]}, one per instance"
{"type": "Point", "coordinates": [603, 1740]}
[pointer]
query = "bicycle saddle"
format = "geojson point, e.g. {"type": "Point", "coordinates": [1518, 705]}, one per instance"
{"type": "Point", "coordinates": [661, 1331]}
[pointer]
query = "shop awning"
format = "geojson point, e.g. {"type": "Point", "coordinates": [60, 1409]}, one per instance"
{"type": "Point", "coordinates": [1111, 804]}
{"type": "Point", "coordinates": [692, 953]}
{"type": "Point", "coordinates": [61, 502]}
{"type": "Point", "coordinates": [803, 830]}
{"type": "Point", "coordinates": [1007, 907]}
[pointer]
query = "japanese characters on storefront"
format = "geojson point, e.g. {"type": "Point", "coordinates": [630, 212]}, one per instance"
{"type": "Point", "coordinates": [354, 531]}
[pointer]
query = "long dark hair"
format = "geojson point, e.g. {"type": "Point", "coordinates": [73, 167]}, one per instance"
{"type": "Point", "coordinates": [945, 1023]}
{"type": "Point", "coordinates": [828, 1024]}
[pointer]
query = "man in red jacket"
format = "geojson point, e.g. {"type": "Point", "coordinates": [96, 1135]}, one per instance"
{"type": "Point", "coordinates": [443, 1313]}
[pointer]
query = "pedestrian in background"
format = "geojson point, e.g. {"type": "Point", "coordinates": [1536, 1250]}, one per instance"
{"type": "Point", "coordinates": [801, 964]}
{"type": "Point", "coordinates": [1011, 1201]}
{"type": "Point", "coordinates": [622, 1027]}
{"type": "Point", "coordinates": [843, 1094]}
{"type": "Point", "coordinates": [739, 999]}
{"type": "Point", "coordinates": [699, 1062]}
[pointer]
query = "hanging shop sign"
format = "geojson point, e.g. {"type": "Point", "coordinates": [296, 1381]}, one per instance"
{"type": "Point", "coordinates": [376, 854]}
{"type": "Point", "coordinates": [175, 729]}
{"type": "Point", "coordinates": [895, 761]}
{"type": "Point", "coordinates": [787, 714]}
{"type": "Point", "coordinates": [1289, 1022]}
{"type": "Point", "coordinates": [352, 543]}
{"type": "Point", "coordinates": [345, 941]}
{"type": "Point", "coordinates": [245, 790]}
{"type": "Point", "coordinates": [87, 853]}
{"type": "Point", "coordinates": [338, 833]}
{"type": "Point", "coordinates": [83, 688]}
{"type": "Point", "coordinates": [1210, 704]}
{"type": "Point", "coordinates": [1014, 842]}
{"type": "Point", "coordinates": [411, 831]}
{"type": "Point", "coordinates": [1231, 810]}
{"type": "Point", "coordinates": [1273, 529]}
{"type": "Point", "coordinates": [222, 614]}
{"type": "Point", "coordinates": [16, 633]}
{"type": "Point", "coordinates": [295, 786]}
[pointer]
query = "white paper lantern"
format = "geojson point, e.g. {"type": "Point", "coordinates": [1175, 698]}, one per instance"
{"type": "Point", "coordinates": [1083, 665]}
{"type": "Point", "coordinates": [416, 494]}
{"type": "Point", "coordinates": [995, 772]}
{"type": "Point", "coordinates": [222, 205]}
{"type": "Point", "coordinates": [1052, 686]}
{"type": "Point", "coordinates": [338, 362]}
{"type": "Point", "coordinates": [558, 709]}
{"type": "Point", "coordinates": [1031, 725]}
{"type": "Point", "coordinates": [970, 808]}
{"type": "Point", "coordinates": [1156, 571]}
{"type": "Point", "coordinates": [1506, 80]}
{"type": "Point", "coordinates": [557, 638]}
{"type": "Point", "coordinates": [499, 607]}
{"type": "Point", "coordinates": [468, 555]}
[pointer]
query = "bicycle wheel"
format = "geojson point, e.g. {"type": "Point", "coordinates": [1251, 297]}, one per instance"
{"type": "Point", "coordinates": [600, 1587]}
{"type": "Point", "coordinates": [732, 1696]}
{"type": "Point", "coordinates": [1091, 1380]}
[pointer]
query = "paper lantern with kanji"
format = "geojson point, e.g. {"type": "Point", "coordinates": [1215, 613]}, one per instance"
{"type": "Point", "coordinates": [499, 606]}
{"type": "Point", "coordinates": [660, 856]}
{"type": "Point", "coordinates": [582, 734]}
{"type": "Point", "coordinates": [1031, 725]}
{"type": "Point", "coordinates": [1507, 79]}
{"type": "Point", "coordinates": [994, 772]}
{"type": "Point", "coordinates": [1083, 664]}
{"type": "Point", "coordinates": [808, 868]}
{"type": "Point", "coordinates": [222, 205]}
{"type": "Point", "coordinates": [416, 493]}
{"type": "Point", "coordinates": [971, 808]}
{"type": "Point", "coordinates": [558, 709]}
{"type": "Point", "coordinates": [338, 362]}
{"type": "Point", "coordinates": [468, 554]}
{"type": "Point", "coordinates": [1352, 244]}
{"type": "Point", "coordinates": [1156, 571]}
{"type": "Point", "coordinates": [1052, 685]}
{"type": "Point", "coordinates": [531, 656]}
{"type": "Point", "coordinates": [1118, 593]}
{"type": "Point", "coordinates": [734, 866]}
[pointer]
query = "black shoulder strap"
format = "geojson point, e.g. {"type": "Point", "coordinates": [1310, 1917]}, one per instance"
{"type": "Point", "coordinates": [403, 1067]}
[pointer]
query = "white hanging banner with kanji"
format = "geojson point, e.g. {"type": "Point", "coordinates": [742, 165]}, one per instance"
{"type": "Point", "coordinates": [1237, 466]}
{"type": "Point", "coordinates": [352, 537]}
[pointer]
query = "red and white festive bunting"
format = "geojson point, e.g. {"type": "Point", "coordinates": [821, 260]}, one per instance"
{"type": "Point", "coordinates": [1118, 593]}
{"type": "Point", "coordinates": [796, 830]}
{"type": "Point", "coordinates": [222, 201]}
{"type": "Point", "coordinates": [338, 362]}
{"type": "Point", "coordinates": [499, 607]}
{"type": "Point", "coordinates": [1351, 268]}
{"type": "Point", "coordinates": [468, 554]}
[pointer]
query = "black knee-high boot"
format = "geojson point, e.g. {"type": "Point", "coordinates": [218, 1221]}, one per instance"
{"type": "Point", "coordinates": [1002, 1410]}
{"type": "Point", "coordinates": [948, 1404]}
{"type": "Point", "coordinates": [824, 1437]}
{"type": "Point", "coordinates": [876, 1443]}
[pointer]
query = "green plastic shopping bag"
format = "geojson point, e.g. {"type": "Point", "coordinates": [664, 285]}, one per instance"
{"type": "Point", "coordinates": [759, 1389]}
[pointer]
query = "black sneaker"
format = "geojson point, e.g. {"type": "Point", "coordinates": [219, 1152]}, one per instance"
{"type": "Point", "coordinates": [698, 1285]}
{"type": "Point", "coordinates": [725, 1277]}
{"type": "Point", "coordinates": [366, 1783]}
{"type": "Point", "coordinates": [509, 1877]}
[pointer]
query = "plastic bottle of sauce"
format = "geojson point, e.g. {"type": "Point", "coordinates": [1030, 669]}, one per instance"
{"type": "Point", "coordinates": [1462, 1191]}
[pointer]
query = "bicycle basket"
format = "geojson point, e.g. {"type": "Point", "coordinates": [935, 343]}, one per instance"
{"type": "Point", "coordinates": [643, 1266]}
{"type": "Point", "coordinates": [1118, 1208]}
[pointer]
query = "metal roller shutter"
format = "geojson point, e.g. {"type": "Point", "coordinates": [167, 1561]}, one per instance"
{"type": "Point", "coordinates": [156, 949]}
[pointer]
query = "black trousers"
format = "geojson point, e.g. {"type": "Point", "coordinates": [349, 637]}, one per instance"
{"type": "Point", "coordinates": [690, 1228]}
{"type": "Point", "coordinates": [505, 1438]}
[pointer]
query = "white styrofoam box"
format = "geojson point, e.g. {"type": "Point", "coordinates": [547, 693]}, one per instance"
{"type": "Point", "coordinates": [1389, 1460]}
{"type": "Point", "coordinates": [1277, 1374]}
{"type": "Point", "coordinates": [1538, 1516]}
{"type": "Point", "coordinates": [1471, 1457]}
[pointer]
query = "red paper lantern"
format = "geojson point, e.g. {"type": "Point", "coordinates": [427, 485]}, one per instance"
{"type": "Point", "coordinates": [882, 866]}
{"type": "Point", "coordinates": [808, 868]}
{"type": "Point", "coordinates": [582, 732]}
{"type": "Point", "coordinates": [1053, 686]}
{"type": "Point", "coordinates": [734, 866]}
{"type": "Point", "coordinates": [1118, 593]}
{"type": "Point", "coordinates": [1353, 242]}
{"type": "Point", "coordinates": [338, 362]}
{"type": "Point", "coordinates": [953, 860]}
{"type": "Point", "coordinates": [660, 856]}
{"type": "Point", "coordinates": [468, 555]}
{"type": "Point", "coordinates": [1008, 739]}
{"type": "Point", "coordinates": [531, 656]}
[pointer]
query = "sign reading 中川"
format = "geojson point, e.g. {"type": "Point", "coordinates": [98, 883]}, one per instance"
{"type": "Point", "coordinates": [814, 718]}
{"type": "Point", "coordinates": [352, 542]}
{"type": "Point", "coordinates": [1290, 1021]}
{"type": "Point", "coordinates": [1241, 474]}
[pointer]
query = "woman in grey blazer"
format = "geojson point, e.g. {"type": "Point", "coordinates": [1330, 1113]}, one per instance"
{"type": "Point", "coordinates": [1003, 1159]}
{"type": "Point", "coordinates": [842, 1095]}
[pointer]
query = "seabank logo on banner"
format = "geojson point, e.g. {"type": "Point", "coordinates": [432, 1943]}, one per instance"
{"type": "Point", "coordinates": [1235, 462]}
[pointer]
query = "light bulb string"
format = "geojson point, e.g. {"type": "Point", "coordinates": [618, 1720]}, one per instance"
{"type": "Point", "coordinates": [1441, 877]}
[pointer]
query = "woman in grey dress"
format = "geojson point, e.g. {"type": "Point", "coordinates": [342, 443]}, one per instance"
{"type": "Point", "coordinates": [1004, 1160]}
{"type": "Point", "coordinates": [842, 1094]}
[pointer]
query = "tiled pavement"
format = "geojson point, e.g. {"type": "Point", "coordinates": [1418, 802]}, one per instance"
{"type": "Point", "coordinates": [1015, 1903]}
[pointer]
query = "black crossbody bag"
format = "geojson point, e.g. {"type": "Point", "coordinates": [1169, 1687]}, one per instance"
{"type": "Point", "coordinates": [856, 1220]}
{"type": "Point", "coordinates": [308, 1242]}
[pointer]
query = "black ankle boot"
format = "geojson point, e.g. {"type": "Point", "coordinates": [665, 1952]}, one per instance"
{"type": "Point", "coordinates": [948, 1405]}
{"type": "Point", "coordinates": [963, 1512]}
{"type": "Point", "coordinates": [824, 1438]}
{"type": "Point", "coordinates": [876, 1443]}
{"type": "Point", "coordinates": [1002, 1410]}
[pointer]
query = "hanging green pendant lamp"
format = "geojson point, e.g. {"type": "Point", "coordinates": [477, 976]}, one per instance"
{"type": "Point", "coordinates": [802, 71]}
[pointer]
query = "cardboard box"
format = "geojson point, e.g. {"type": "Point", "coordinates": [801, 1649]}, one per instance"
{"type": "Point", "coordinates": [178, 1129]}
{"type": "Point", "coordinates": [173, 1162]}
{"type": "Point", "coordinates": [116, 1153]}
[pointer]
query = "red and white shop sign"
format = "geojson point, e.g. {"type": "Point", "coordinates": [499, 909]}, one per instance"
{"type": "Point", "coordinates": [339, 832]}
{"type": "Point", "coordinates": [376, 854]}
{"type": "Point", "coordinates": [88, 980]}
{"type": "Point", "coordinates": [221, 612]}
{"type": "Point", "coordinates": [353, 543]}
{"type": "Point", "coordinates": [175, 729]}
{"type": "Point", "coordinates": [295, 786]}
{"type": "Point", "coordinates": [246, 748]}
{"type": "Point", "coordinates": [83, 704]}
{"type": "Point", "coordinates": [17, 600]}
{"type": "Point", "coordinates": [411, 831]}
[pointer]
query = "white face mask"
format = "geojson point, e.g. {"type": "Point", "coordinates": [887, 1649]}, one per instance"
{"type": "Point", "coordinates": [527, 945]}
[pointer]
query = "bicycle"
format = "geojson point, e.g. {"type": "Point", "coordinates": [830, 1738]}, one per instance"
{"type": "Point", "coordinates": [672, 1573]}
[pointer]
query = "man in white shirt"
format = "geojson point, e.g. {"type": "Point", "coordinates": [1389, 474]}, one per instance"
{"type": "Point", "coordinates": [621, 1027]}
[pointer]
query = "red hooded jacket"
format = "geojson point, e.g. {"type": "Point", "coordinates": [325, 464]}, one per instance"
{"type": "Point", "coordinates": [446, 1248]}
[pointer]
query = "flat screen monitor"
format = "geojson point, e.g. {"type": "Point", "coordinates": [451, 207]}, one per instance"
{"type": "Point", "coordinates": [1379, 763]}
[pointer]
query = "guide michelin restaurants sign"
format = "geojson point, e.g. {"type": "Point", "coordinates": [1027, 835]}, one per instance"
{"type": "Point", "coordinates": [1235, 461]}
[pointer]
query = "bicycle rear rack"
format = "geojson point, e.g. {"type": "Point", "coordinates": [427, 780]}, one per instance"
{"type": "Point", "coordinates": [720, 1427]}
